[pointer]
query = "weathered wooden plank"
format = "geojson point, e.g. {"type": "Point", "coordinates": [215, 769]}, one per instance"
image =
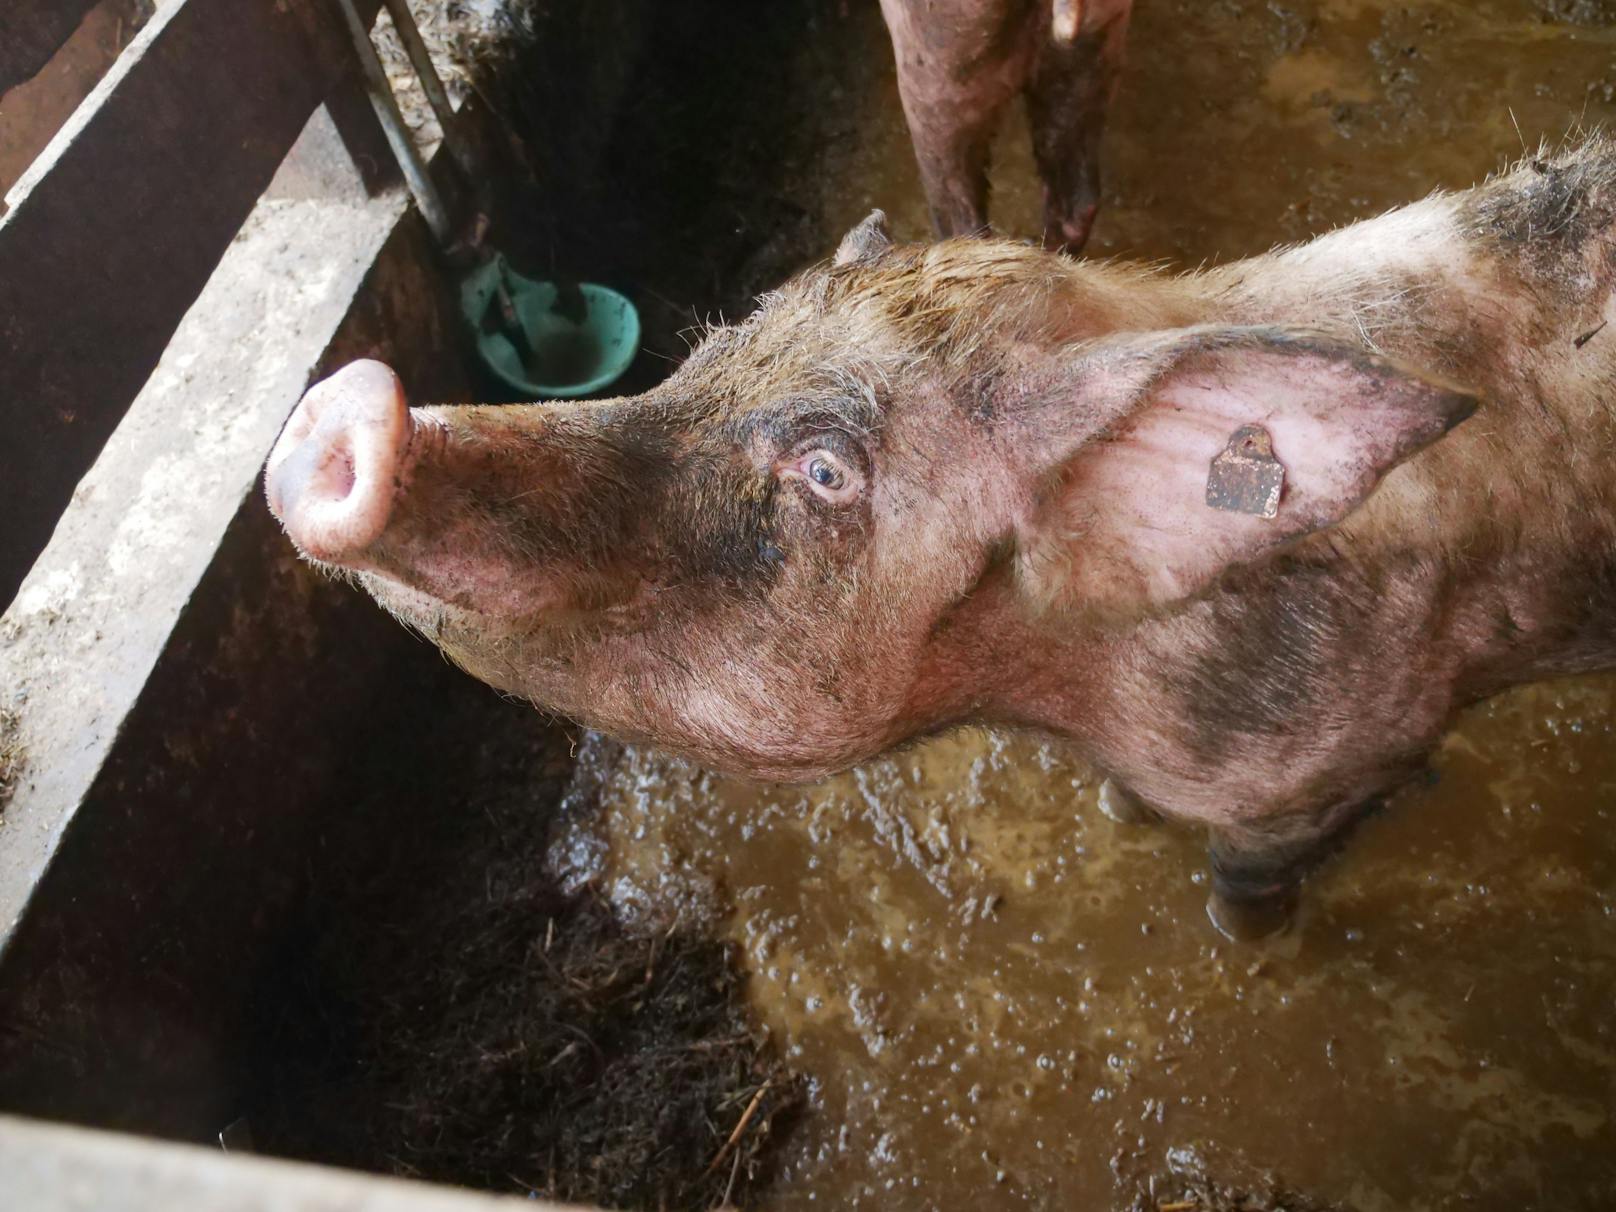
{"type": "Point", "coordinates": [113, 231]}
{"type": "Point", "coordinates": [31, 31]}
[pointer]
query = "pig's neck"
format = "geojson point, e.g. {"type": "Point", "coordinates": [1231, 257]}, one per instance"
{"type": "Point", "coordinates": [1406, 284]}
{"type": "Point", "coordinates": [1287, 689]}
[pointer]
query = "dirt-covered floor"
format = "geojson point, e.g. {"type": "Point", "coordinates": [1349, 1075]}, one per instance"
{"type": "Point", "coordinates": [993, 996]}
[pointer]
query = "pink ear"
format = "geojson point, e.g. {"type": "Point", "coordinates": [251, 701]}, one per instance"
{"type": "Point", "coordinates": [1125, 524]}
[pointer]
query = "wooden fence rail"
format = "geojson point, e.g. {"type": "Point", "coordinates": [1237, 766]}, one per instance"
{"type": "Point", "coordinates": [31, 31]}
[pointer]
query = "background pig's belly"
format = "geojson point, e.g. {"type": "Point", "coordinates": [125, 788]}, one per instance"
{"type": "Point", "coordinates": [1005, 1000]}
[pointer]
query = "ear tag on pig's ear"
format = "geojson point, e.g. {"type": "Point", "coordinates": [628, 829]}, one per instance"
{"type": "Point", "coordinates": [1245, 476]}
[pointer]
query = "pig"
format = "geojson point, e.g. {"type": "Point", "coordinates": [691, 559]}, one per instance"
{"type": "Point", "coordinates": [961, 62]}
{"type": "Point", "coordinates": [925, 486]}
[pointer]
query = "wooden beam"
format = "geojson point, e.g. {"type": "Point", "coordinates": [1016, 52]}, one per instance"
{"type": "Point", "coordinates": [113, 231]}
{"type": "Point", "coordinates": [34, 110]}
{"type": "Point", "coordinates": [170, 662]}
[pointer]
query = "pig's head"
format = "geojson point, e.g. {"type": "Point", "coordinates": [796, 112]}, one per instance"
{"type": "Point", "coordinates": [767, 562]}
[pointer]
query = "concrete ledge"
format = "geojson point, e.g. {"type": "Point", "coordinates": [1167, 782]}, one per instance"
{"type": "Point", "coordinates": [51, 1168]}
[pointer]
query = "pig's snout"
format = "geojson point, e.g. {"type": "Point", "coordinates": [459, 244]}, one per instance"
{"type": "Point", "coordinates": [333, 473]}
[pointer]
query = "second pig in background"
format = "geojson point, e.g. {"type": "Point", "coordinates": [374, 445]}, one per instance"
{"type": "Point", "coordinates": [962, 62]}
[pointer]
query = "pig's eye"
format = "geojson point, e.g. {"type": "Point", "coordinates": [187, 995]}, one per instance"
{"type": "Point", "coordinates": [827, 474]}
{"type": "Point", "coordinates": [821, 472]}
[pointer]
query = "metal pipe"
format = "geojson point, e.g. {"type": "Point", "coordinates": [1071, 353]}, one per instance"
{"type": "Point", "coordinates": [385, 104]}
{"type": "Point", "coordinates": [432, 84]}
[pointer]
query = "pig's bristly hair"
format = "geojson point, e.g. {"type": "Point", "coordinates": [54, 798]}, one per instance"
{"type": "Point", "coordinates": [842, 336]}
{"type": "Point", "coordinates": [1542, 214]}
{"type": "Point", "coordinates": [944, 303]}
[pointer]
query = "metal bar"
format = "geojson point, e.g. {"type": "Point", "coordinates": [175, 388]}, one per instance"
{"type": "Point", "coordinates": [432, 84]}
{"type": "Point", "coordinates": [416, 176]}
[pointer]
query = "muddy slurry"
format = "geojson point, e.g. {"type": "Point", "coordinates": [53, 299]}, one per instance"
{"type": "Point", "coordinates": [999, 997]}
{"type": "Point", "coordinates": [996, 989]}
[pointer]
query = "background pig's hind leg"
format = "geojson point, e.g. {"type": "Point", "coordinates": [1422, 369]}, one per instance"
{"type": "Point", "coordinates": [952, 151]}
{"type": "Point", "coordinates": [960, 62]}
{"type": "Point", "coordinates": [1067, 100]}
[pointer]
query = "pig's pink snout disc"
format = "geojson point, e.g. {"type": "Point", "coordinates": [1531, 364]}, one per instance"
{"type": "Point", "coordinates": [332, 474]}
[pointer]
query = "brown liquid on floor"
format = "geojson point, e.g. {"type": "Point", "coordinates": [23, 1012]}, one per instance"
{"type": "Point", "coordinates": [1001, 998]}
{"type": "Point", "coordinates": [565, 355]}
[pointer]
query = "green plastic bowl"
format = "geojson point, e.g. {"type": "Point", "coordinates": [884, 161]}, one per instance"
{"type": "Point", "coordinates": [570, 358]}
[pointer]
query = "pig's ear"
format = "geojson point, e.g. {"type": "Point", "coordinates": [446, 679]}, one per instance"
{"type": "Point", "coordinates": [1123, 523]}
{"type": "Point", "coordinates": [866, 242]}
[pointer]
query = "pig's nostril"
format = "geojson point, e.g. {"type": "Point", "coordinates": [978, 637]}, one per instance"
{"type": "Point", "coordinates": [332, 475]}
{"type": "Point", "coordinates": [342, 478]}
{"type": "Point", "coordinates": [335, 480]}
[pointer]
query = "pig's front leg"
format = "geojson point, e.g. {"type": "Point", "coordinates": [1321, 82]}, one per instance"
{"type": "Point", "coordinates": [952, 153]}
{"type": "Point", "coordinates": [1257, 875]}
{"type": "Point", "coordinates": [1067, 100]}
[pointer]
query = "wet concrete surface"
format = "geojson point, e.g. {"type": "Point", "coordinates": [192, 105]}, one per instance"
{"type": "Point", "coordinates": [1003, 999]}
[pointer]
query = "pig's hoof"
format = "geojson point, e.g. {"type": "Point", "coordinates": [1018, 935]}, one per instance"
{"type": "Point", "coordinates": [1246, 921]}
{"type": "Point", "coordinates": [1122, 808]}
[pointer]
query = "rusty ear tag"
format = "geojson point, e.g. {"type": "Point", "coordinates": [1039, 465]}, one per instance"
{"type": "Point", "coordinates": [1245, 477]}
